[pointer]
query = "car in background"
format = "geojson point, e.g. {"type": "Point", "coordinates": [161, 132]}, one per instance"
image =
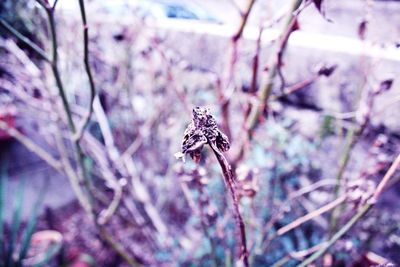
{"type": "Point", "coordinates": [160, 10]}
{"type": "Point", "coordinates": [157, 10]}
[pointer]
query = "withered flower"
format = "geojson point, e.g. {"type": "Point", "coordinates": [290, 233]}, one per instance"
{"type": "Point", "coordinates": [202, 129]}
{"type": "Point", "coordinates": [247, 182]}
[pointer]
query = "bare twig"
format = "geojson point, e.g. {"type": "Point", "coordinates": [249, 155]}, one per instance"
{"type": "Point", "coordinates": [272, 68]}
{"type": "Point", "coordinates": [25, 40]}
{"type": "Point", "coordinates": [311, 215]}
{"type": "Point", "coordinates": [257, 107]}
{"type": "Point", "coordinates": [363, 116]}
{"type": "Point", "coordinates": [88, 70]}
{"type": "Point", "coordinates": [227, 82]}
{"type": "Point", "coordinates": [117, 247]}
{"type": "Point", "coordinates": [29, 144]}
{"type": "Point", "coordinates": [361, 212]}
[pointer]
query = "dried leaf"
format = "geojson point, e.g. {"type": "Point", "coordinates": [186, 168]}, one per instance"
{"type": "Point", "coordinates": [318, 5]}
{"type": "Point", "coordinates": [362, 28]}
{"type": "Point", "coordinates": [385, 85]}
{"type": "Point", "coordinates": [327, 71]}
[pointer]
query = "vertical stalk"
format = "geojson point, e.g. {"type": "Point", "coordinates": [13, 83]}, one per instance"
{"type": "Point", "coordinates": [273, 65]}
{"type": "Point", "coordinates": [230, 183]}
{"type": "Point", "coordinates": [66, 106]}
{"type": "Point", "coordinates": [345, 157]}
{"type": "Point", "coordinates": [88, 70]}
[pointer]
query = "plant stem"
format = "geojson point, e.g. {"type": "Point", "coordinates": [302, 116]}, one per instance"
{"type": "Point", "coordinates": [117, 247]}
{"type": "Point", "coordinates": [351, 140]}
{"type": "Point", "coordinates": [230, 182]}
{"type": "Point", "coordinates": [25, 40]}
{"type": "Point", "coordinates": [66, 106]}
{"type": "Point", "coordinates": [337, 236]}
{"type": "Point", "coordinates": [88, 70]}
{"type": "Point", "coordinates": [88, 201]}
{"type": "Point", "coordinates": [273, 65]}
{"type": "Point", "coordinates": [29, 144]}
{"type": "Point", "coordinates": [361, 212]}
{"type": "Point", "coordinates": [311, 215]}
{"type": "Point", "coordinates": [230, 68]}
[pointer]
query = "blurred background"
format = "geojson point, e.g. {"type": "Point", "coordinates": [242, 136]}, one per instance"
{"type": "Point", "coordinates": [307, 92]}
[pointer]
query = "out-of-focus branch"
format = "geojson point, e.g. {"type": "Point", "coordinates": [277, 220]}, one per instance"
{"type": "Point", "coordinates": [361, 212]}
{"type": "Point", "coordinates": [298, 255]}
{"type": "Point", "coordinates": [272, 68]}
{"type": "Point", "coordinates": [226, 84]}
{"type": "Point", "coordinates": [88, 70]}
{"type": "Point", "coordinates": [255, 63]}
{"type": "Point", "coordinates": [162, 50]}
{"type": "Point", "coordinates": [69, 170]}
{"type": "Point", "coordinates": [67, 109]}
{"type": "Point", "coordinates": [310, 215]}
{"type": "Point", "coordinates": [258, 106]}
{"type": "Point", "coordinates": [277, 215]}
{"type": "Point", "coordinates": [325, 71]}
{"type": "Point", "coordinates": [363, 116]}
{"type": "Point", "coordinates": [117, 247]}
{"type": "Point", "coordinates": [25, 40]}
{"type": "Point", "coordinates": [29, 144]}
{"type": "Point", "coordinates": [244, 18]}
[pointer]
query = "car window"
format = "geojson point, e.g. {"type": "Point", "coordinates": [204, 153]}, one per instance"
{"type": "Point", "coordinates": [173, 11]}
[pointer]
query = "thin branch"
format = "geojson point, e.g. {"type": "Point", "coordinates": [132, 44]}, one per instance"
{"type": "Point", "coordinates": [24, 39]}
{"type": "Point", "coordinates": [363, 116]}
{"type": "Point", "coordinates": [117, 247]}
{"type": "Point", "coordinates": [351, 140]}
{"type": "Point", "coordinates": [257, 107]}
{"type": "Point", "coordinates": [54, 4]}
{"type": "Point", "coordinates": [272, 67]}
{"type": "Point", "coordinates": [69, 171]}
{"type": "Point", "coordinates": [311, 215]}
{"type": "Point", "coordinates": [386, 178]}
{"type": "Point", "coordinates": [245, 16]}
{"type": "Point", "coordinates": [227, 83]}
{"type": "Point", "coordinates": [361, 212]}
{"type": "Point", "coordinates": [29, 144]}
{"type": "Point", "coordinates": [88, 70]}
{"type": "Point", "coordinates": [230, 182]}
{"type": "Point", "coordinates": [262, 240]}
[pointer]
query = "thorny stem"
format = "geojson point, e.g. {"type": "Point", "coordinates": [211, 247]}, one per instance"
{"type": "Point", "coordinates": [273, 65]}
{"type": "Point", "coordinates": [86, 119]}
{"type": "Point", "coordinates": [233, 56]}
{"type": "Point", "coordinates": [361, 212]}
{"type": "Point", "coordinates": [230, 182]}
{"type": "Point", "coordinates": [252, 116]}
{"type": "Point", "coordinates": [245, 16]}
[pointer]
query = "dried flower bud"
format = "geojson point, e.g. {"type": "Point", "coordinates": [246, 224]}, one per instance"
{"type": "Point", "coordinates": [327, 70]}
{"type": "Point", "coordinates": [202, 130]}
{"type": "Point", "coordinates": [360, 190]}
{"type": "Point", "coordinates": [247, 182]}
